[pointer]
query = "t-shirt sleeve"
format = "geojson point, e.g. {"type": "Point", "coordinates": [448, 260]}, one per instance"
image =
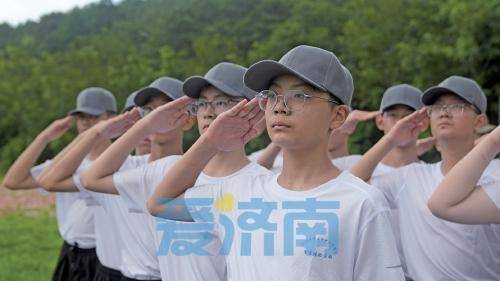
{"type": "Point", "coordinates": [133, 162]}
{"type": "Point", "coordinates": [492, 189]}
{"type": "Point", "coordinates": [346, 163]}
{"type": "Point", "coordinates": [377, 256]}
{"type": "Point", "coordinates": [255, 156]}
{"type": "Point", "coordinates": [91, 198]}
{"type": "Point", "coordinates": [38, 169]}
{"type": "Point", "coordinates": [390, 184]}
{"type": "Point", "coordinates": [35, 173]}
{"type": "Point", "coordinates": [201, 201]}
{"type": "Point", "coordinates": [131, 187]}
{"type": "Point", "coordinates": [277, 163]}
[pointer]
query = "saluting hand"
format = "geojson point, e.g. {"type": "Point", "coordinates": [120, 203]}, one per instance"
{"type": "Point", "coordinates": [235, 127]}
{"type": "Point", "coordinates": [407, 129]}
{"type": "Point", "coordinates": [169, 116]}
{"type": "Point", "coordinates": [57, 128]}
{"type": "Point", "coordinates": [117, 125]}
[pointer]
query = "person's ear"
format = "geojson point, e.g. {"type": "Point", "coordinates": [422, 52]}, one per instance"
{"type": "Point", "coordinates": [190, 121]}
{"type": "Point", "coordinates": [480, 121]}
{"type": "Point", "coordinates": [379, 122]}
{"type": "Point", "coordinates": [339, 116]}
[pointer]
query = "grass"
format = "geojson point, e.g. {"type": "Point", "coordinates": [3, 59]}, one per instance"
{"type": "Point", "coordinates": [29, 245]}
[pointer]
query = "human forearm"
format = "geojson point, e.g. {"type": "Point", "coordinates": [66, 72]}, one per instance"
{"type": "Point", "coordinates": [461, 180]}
{"type": "Point", "coordinates": [365, 167]}
{"type": "Point", "coordinates": [19, 174]}
{"type": "Point", "coordinates": [182, 175]}
{"type": "Point", "coordinates": [58, 176]}
{"type": "Point", "coordinates": [112, 159]}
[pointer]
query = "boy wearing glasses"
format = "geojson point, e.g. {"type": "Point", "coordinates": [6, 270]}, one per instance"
{"type": "Point", "coordinates": [397, 102]}
{"type": "Point", "coordinates": [435, 249]}
{"type": "Point", "coordinates": [124, 251]}
{"type": "Point", "coordinates": [218, 91]}
{"type": "Point", "coordinates": [311, 222]}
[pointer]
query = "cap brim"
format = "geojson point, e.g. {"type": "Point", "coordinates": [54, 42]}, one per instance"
{"type": "Point", "coordinates": [387, 106]}
{"type": "Point", "coordinates": [260, 75]}
{"type": "Point", "coordinates": [432, 94]}
{"type": "Point", "coordinates": [87, 110]}
{"type": "Point", "coordinates": [145, 94]}
{"type": "Point", "coordinates": [193, 85]}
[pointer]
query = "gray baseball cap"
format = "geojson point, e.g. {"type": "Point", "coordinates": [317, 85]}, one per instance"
{"type": "Point", "coordinates": [94, 101]}
{"type": "Point", "coordinates": [463, 87]}
{"type": "Point", "coordinates": [317, 67]}
{"type": "Point", "coordinates": [225, 76]}
{"type": "Point", "coordinates": [402, 94]}
{"type": "Point", "coordinates": [168, 86]}
{"type": "Point", "coordinates": [129, 103]}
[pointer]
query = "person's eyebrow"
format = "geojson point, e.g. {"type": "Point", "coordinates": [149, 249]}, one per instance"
{"type": "Point", "coordinates": [274, 85]}
{"type": "Point", "coordinates": [300, 84]}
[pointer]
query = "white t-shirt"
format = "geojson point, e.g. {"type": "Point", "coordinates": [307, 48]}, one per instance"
{"type": "Point", "coordinates": [75, 219]}
{"type": "Point", "coordinates": [493, 191]}
{"type": "Point", "coordinates": [136, 240]}
{"type": "Point", "coordinates": [346, 163]}
{"type": "Point", "coordinates": [172, 266]}
{"type": "Point", "coordinates": [337, 231]}
{"type": "Point", "coordinates": [278, 161]}
{"type": "Point", "coordinates": [109, 243]}
{"type": "Point", "coordinates": [493, 188]}
{"type": "Point", "coordinates": [435, 249]}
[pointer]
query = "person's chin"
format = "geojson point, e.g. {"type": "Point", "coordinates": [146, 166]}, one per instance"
{"type": "Point", "coordinates": [445, 134]}
{"type": "Point", "coordinates": [283, 139]}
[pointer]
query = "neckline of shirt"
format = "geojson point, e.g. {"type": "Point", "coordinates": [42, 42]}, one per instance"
{"type": "Point", "coordinates": [280, 190]}
{"type": "Point", "coordinates": [240, 171]}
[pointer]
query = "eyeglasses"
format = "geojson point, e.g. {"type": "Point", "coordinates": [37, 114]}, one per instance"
{"type": "Point", "coordinates": [294, 100]}
{"type": "Point", "coordinates": [456, 109]}
{"type": "Point", "coordinates": [219, 105]}
{"type": "Point", "coordinates": [145, 110]}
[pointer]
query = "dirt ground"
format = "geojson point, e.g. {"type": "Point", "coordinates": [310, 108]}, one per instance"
{"type": "Point", "coordinates": [29, 200]}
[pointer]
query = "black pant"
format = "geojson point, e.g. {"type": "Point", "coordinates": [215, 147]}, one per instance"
{"type": "Point", "coordinates": [124, 278]}
{"type": "Point", "coordinates": [75, 264]}
{"type": "Point", "coordinates": [107, 274]}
